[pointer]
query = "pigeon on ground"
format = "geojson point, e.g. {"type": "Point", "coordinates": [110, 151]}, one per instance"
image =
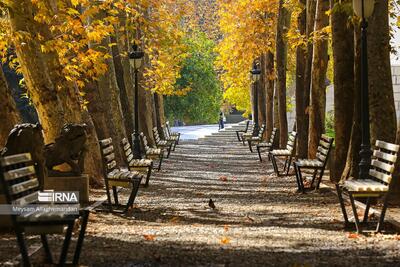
{"type": "Point", "coordinates": [211, 204]}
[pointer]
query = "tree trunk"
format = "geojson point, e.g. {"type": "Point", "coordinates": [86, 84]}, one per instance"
{"type": "Point", "coordinates": [381, 100]}
{"type": "Point", "coordinates": [276, 108]}
{"type": "Point", "coordinates": [353, 154]}
{"type": "Point", "coordinates": [8, 112]}
{"type": "Point", "coordinates": [121, 72]}
{"type": "Point", "coordinates": [159, 108]}
{"type": "Point", "coordinates": [34, 68]}
{"type": "Point", "coordinates": [146, 110]}
{"type": "Point", "coordinates": [301, 117]}
{"type": "Point", "coordinates": [318, 81]}
{"type": "Point", "coordinates": [110, 99]}
{"type": "Point", "coordinates": [262, 94]}
{"type": "Point", "coordinates": [343, 56]}
{"type": "Point", "coordinates": [281, 55]}
{"type": "Point", "coordinates": [310, 21]}
{"type": "Point", "coordinates": [269, 84]}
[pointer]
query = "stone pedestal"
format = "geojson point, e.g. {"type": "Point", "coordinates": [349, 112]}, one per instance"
{"type": "Point", "coordinates": [70, 183]}
{"type": "Point", "coordinates": [5, 220]}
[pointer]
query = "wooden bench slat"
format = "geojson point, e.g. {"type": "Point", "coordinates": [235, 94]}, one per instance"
{"type": "Point", "coordinates": [15, 159]}
{"type": "Point", "coordinates": [24, 186]}
{"type": "Point", "coordinates": [109, 158]}
{"type": "Point", "coordinates": [105, 142]}
{"type": "Point", "coordinates": [324, 144]}
{"type": "Point", "coordinates": [387, 146]}
{"type": "Point", "coordinates": [380, 176]}
{"type": "Point", "coordinates": [18, 173]}
{"type": "Point", "coordinates": [383, 166]}
{"type": "Point", "coordinates": [112, 165]}
{"type": "Point", "coordinates": [125, 141]}
{"type": "Point", "coordinates": [385, 156]}
{"type": "Point", "coordinates": [108, 150]}
{"type": "Point", "coordinates": [322, 150]}
{"type": "Point", "coordinates": [26, 200]}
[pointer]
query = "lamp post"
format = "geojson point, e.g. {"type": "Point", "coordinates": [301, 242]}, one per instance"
{"type": "Point", "coordinates": [255, 77]}
{"type": "Point", "coordinates": [135, 60]}
{"type": "Point", "coordinates": [364, 9]}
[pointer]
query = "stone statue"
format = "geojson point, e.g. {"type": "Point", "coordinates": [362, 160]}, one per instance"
{"type": "Point", "coordinates": [70, 148]}
{"type": "Point", "coordinates": [28, 138]}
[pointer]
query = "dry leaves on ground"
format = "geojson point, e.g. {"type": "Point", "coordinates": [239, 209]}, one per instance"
{"type": "Point", "coordinates": [149, 237]}
{"type": "Point", "coordinates": [223, 178]}
{"type": "Point", "coordinates": [353, 235]}
{"type": "Point", "coordinates": [225, 240]}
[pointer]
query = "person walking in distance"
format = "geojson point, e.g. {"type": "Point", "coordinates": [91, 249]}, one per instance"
{"type": "Point", "coordinates": [221, 120]}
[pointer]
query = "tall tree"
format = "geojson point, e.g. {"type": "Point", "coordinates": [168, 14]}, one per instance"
{"type": "Point", "coordinates": [262, 94]}
{"type": "Point", "coordinates": [310, 21]}
{"type": "Point", "coordinates": [343, 56]}
{"type": "Point", "coordinates": [301, 116]}
{"type": "Point", "coordinates": [269, 87]}
{"type": "Point", "coordinates": [381, 100]}
{"type": "Point", "coordinates": [281, 62]}
{"type": "Point", "coordinates": [8, 112]}
{"type": "Point", "coordinates": [318, 78]}
{"type": "Point", "coordinates": [159, 110]}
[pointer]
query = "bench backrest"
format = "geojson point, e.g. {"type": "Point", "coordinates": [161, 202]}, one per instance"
{"type": "Point", "coordinates": [156, 135]}
{"type": "Point", "coordinates": [107, 154]}
{"type": "Point", "coordinates": [324, 148]}
{"type": "Point", "coordinates": [167, 126]}
{"type": "Point", "coordinates": [261, 131]}
{"type": "Point", "coordinates": [126, 146]}
{"type": "Point", "coordinates": [272, 137]}
{"type": "Point", "coordinates": [384, 159]}
{"type": "Point", "coordinates": [144, 143]}
{"type": "Point", "coordinates": [165, 131]}
{"type": "Point", "coordinates": [291, 141]}
{"type": "Point", "coordinates": [19, 180]}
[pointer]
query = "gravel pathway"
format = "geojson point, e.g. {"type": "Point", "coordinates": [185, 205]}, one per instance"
{"type": "Point", "coordinates": [259, 220]}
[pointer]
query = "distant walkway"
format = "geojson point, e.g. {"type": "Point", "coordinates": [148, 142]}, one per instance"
{"type": "Point", "coordinates": [197, 131]}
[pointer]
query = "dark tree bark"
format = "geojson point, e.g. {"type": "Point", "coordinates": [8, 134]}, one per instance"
{"type": "Point", "coordinates": [301, 116]}
{"type": "Point", "coordinates": [381, 100]}
{"type": "Point", "coordinates": [318, 81]}
{"type": "Point", "coordinates": [353, 154]}
{"type": "Point", "coordinates": [120, 72]}
{"type": "Point", "coordinates": [276, 108]}
{"type": "Point", "coordinates": [159, 108]}
{"type": "Point", "coordinates": [8, 112]}
{"type": "Point", "coordinates": [269, 86]}
{"type": "Point", "coordinates": [310, 21]}
{"type": "Point", "coordinates": [281, 55]}
{"type": "Point", "coordinates": [262, 94]}
{"type": "Point", "coordinates": [343, 56]}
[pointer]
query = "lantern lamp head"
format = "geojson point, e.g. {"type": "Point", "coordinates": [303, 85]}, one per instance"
{"type": "Point", "coordinates": [368, 6]}
{"type": "Point", "coordinates": [255, 73]}
{"type": "Point", "coordinates": [136, 57]}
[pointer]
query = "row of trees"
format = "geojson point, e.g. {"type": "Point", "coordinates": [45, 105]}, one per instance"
{"type": "Point", "coordinates": [73, 56]}
{"type": "Point", "coordinates": [298, 40]}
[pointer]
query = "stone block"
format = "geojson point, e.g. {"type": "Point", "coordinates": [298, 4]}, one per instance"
{"type": "Point", "coordinates": [71, 183]}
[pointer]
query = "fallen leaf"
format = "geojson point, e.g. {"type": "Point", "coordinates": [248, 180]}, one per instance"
{"type": "Point", "coordinates": [250, 219]}
{"type": "Point", "coordinates": [226, 228]}
{"type": "Point", "coordinates": [149, 237]}
{"type": "Point", "coordinates": [223, 178]}
{"type": "Point", "coordinates": [225, 240]}
{"type": "Point", "coordinates": [397, 237]}
{"type": "Point", "coordinates": [174, 219]}
{"type": "Point", "coordinates": [353, 235]}
{"type": "Point", "coordinates": [199, 194]}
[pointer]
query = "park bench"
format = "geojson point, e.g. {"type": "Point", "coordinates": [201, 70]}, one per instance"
{"type": "Point", "coordinates": [114, 176]}
{"type": "Point", "coordinates": [169, 138]}
{"type": "Point", "coordinates": [141, 165]}
{"type": "Point", "coordinates": [171, 133]}
{"type": "Point", "coordinates": [21, 188]}
{"type": "Point", "coordinates": [152, 153]}
{"type": "Point", "coordinates": [160, 143]}
{"type": "Point", "coordinates": [376, 185]}
{"type": "Point", "coordinates": [255, 139]}
{"type": "Point", "coordinates": [267, 145]}
{"type": "Point", "coordinates": [316, 166]}
{"type": "Point", "coordinates": [240, 133]}
{"type": "Point", "coordinates": [287, 154]}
